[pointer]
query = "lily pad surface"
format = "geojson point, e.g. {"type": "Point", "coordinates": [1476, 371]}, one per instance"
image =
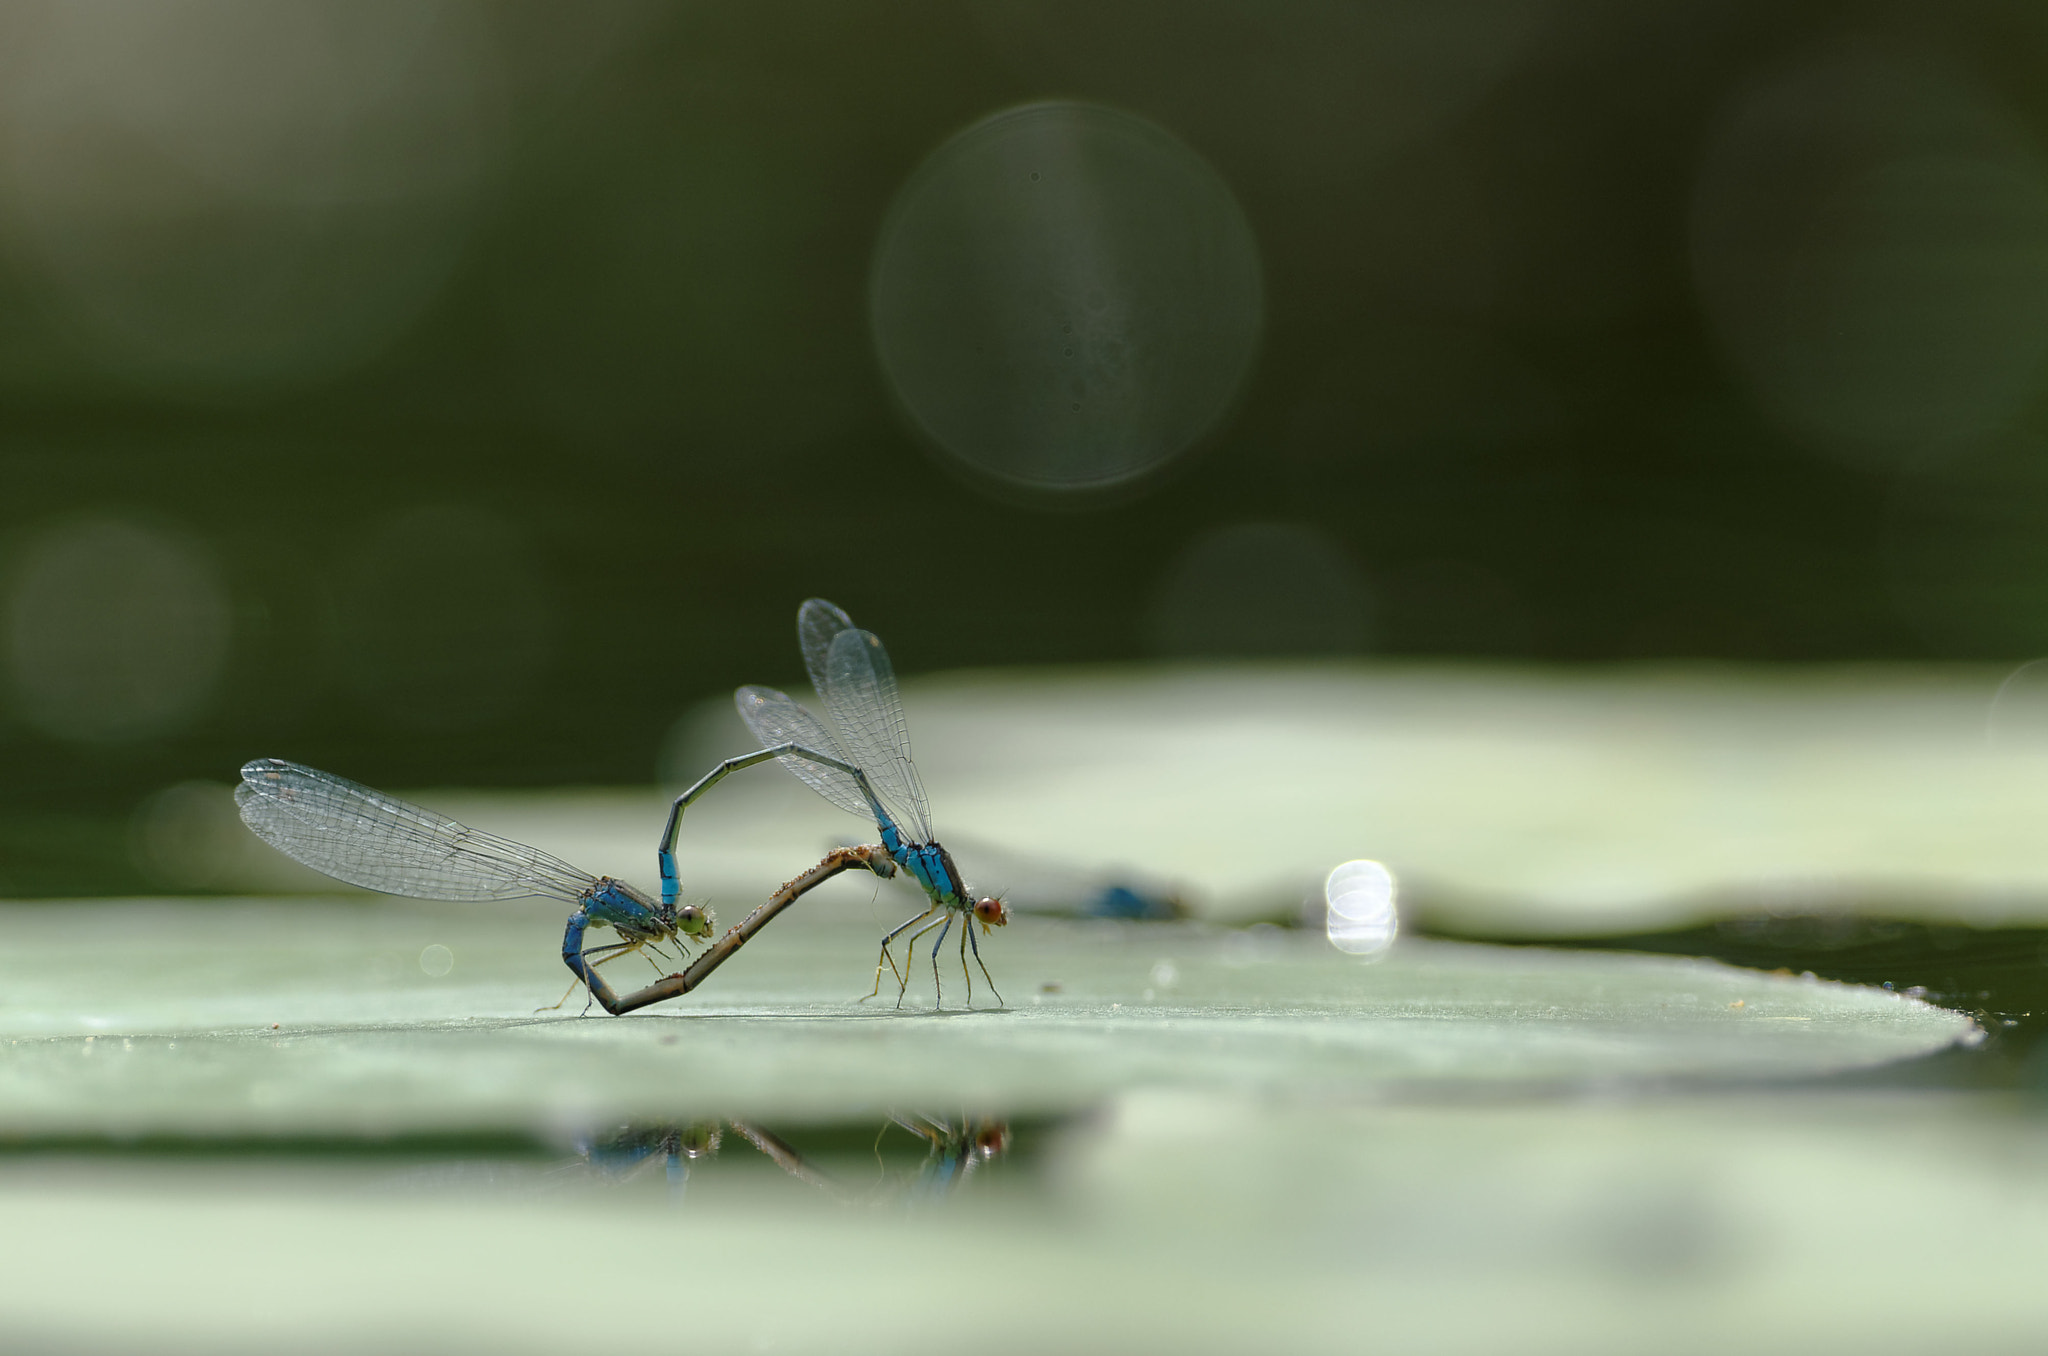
{"type": "Point", "coordinates": [291, 1018]}
{"type": "Point", "coordinates": [1507, 801]}
{"type": "Point", "coordinates": [1517, 801]}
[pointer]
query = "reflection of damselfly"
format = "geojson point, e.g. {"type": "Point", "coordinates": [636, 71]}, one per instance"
{"type": "Point", "coordinates": [861, 763]}
{"type": "Point", "coordinates": [379, 842]}
{"type": "Point", "coordinates": [953, 1151]}
{"type": "Point", "coordinates": [631, 1148]}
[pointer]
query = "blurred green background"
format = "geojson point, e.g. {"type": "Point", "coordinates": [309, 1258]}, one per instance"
{"type": "Point", "coordinates": [455, 394]}
{"type": "Point", "coordinates": [1624, 427]}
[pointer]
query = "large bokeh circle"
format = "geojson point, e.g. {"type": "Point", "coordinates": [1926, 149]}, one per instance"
{"type": "Point", "coordinates": [1065, 297]}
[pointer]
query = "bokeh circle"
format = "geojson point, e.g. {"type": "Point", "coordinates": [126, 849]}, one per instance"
{"type": "Point", "coordinates": [1870, 242]}
{"type": "Point", "coordinates": [1065, 297]}
{"type": "Point", "coordinates": [229, 195]}
{"type": "Point", "coordinates": [114, 631]}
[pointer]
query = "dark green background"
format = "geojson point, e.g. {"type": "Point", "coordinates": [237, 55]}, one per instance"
{"type": "Point", "coordinates": [652, 358]}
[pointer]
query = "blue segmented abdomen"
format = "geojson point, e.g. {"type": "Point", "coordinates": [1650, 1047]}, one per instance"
{"type": "Point", "coordinates": [925, 863]}
{"type": "Point", "coordinates": [614, 903]}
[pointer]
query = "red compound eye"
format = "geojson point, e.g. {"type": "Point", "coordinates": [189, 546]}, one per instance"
{"type": "Point", "coordinates": [992, 912]}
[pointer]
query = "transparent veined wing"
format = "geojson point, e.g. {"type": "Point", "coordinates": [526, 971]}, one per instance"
{"type": "Point", "coordinates": [776, 719]}
{"type": "Point", "coordinates": [379, 842]}
{"type": "Point", "coordinates": [817, 623]}
{"type": "Point", "coordinates": [860, 695]}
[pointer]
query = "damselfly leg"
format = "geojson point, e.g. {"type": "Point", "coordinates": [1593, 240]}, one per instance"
{"type": "Point", "coordinates": [604, 955]}
{"type": "Point", "coordinates": [839, 859]}
{"type": "Point", "coordinates": [910, 953]}
{"type": "Point", "coordinates": [975, 942]}
{"type": "Point", "coordinates": [938, 994]}
{"type": "Point", "coordinates": [902, 980]}
{"type": "Point", "coordinates": [963, 963]}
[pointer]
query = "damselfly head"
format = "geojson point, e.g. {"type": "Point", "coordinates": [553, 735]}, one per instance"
{"type": "Point", "coordinates": [698, 1139]}
{"type": "Point", "coordinates": [693, 920]}
{"type": "Point", "coordinates": [991, 912]}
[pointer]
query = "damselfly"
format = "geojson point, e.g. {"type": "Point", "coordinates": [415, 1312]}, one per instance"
{"type": "Point", "coordinates": [861, 763]}
{"type": "Point", "coordinates": [379, 842]}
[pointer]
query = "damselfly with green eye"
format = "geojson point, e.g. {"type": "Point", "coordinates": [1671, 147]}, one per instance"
{"type": "Point", "coordinates": [379, 842]}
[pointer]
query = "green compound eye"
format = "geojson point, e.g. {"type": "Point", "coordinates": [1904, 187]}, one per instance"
{"type": "Point", "coordinates": [693, 920]}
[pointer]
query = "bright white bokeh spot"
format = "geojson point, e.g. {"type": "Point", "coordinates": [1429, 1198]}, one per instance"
{"type": "Point", "coordinates": [114, 631]}
{"type": "Point", "coordinates": [437, 960]}
{"type": "Point", "coordinates": [1359, 903]}
{"type": "Point", "coordinates": [1065, 296]}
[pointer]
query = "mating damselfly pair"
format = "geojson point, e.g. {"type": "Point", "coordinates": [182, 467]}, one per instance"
{"type": "Point", "coordinates": [860, 761]}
